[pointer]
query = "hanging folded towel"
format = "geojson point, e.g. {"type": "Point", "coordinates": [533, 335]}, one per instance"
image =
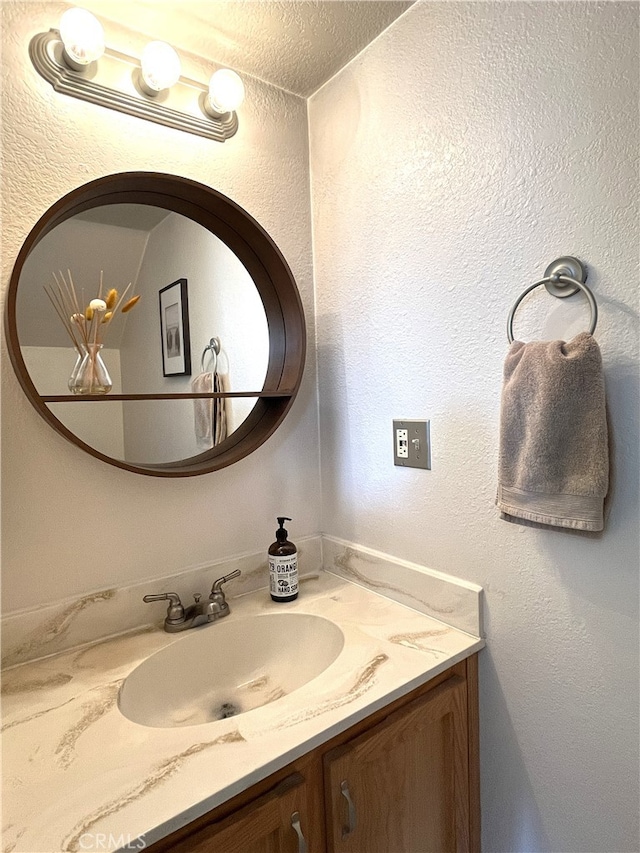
{"type": "Point", "coordinates": [210, 415]}
{"type": "Point", "coordinates": [554, 464]}
{"type": "Point", "coordinates": [203, 410]}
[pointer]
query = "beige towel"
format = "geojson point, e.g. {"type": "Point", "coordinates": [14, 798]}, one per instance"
{"type": "Point", "coordinates": [210, 416]}
{"type": "Point", "coordinates": [203, 410]}
{"type": "Point", "coordinates": [554, 464]}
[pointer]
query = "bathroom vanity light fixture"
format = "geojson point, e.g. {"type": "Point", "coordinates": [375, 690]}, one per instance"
{"type": "Point", "coordinates": [76, 62]}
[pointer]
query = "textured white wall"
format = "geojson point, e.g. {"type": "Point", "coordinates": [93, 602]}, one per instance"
{"type": "Point", "coordinates": [463, 151]}
{"type": "Point", "coordinates": [71, 523]}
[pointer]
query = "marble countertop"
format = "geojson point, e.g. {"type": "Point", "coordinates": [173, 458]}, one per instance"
{"type": "Point", "coordinates": [78, 775]}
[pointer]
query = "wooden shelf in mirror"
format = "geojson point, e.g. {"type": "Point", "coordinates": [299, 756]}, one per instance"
{"type": "Point", "coordinates": [95, 398]}
{"type": "Point", "coordinates": [267, 269]}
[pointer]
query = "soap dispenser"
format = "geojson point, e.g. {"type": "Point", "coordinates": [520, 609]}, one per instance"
{"type": "Point", "coordinates": [283, 566]}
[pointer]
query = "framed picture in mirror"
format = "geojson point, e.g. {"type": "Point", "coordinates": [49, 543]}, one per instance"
{"type": "Point", "coordinates": [174, 329]}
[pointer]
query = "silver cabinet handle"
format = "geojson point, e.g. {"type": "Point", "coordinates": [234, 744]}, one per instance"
{"type": "Point", "coordinates": [295, 823]}
{"type": "Point", "coordinates": [350, 827]}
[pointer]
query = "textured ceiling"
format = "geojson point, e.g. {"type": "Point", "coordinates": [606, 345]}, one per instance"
{"type": "Point", "coordinates": [295, 44]}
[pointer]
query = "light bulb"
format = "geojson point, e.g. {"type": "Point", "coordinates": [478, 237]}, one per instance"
{"type": "Point", "coordinates": [82, 36]}
{"type": "Point", "coordinates": [226, 92]}
{"type": "Point", "coordinates": [160, 66]}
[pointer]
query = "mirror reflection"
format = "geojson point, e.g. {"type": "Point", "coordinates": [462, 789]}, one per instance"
{"type": "Point", "coordinates": [199, 326]}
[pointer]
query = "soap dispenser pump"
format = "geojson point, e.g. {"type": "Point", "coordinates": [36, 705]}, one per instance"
{"type": "Point", "coordinates": [283, 566]}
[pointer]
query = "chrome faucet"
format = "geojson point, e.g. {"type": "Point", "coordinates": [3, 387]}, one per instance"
{"type": "Point", "coordinates": [180, 618]}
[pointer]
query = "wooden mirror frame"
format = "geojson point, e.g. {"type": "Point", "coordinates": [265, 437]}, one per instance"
{"type": "Point", "coordinates": [266, 266]}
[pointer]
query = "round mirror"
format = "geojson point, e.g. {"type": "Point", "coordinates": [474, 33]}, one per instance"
{"type": "Point", "coordinates": [194, 350]}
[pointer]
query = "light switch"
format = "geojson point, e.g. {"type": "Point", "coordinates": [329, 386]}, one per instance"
{"type": "Point", "coordinates": [412, 444]}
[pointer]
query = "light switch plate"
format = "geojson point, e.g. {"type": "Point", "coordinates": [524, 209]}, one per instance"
{"type": "Point", "coordinates": [412, 444]}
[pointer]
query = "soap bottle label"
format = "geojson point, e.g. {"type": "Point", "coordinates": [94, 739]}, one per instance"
{"type": "Point", "coordinates": [283, 575]}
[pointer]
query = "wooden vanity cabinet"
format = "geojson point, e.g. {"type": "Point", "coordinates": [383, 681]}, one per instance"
{"type": "Point", "coordinates": [404, 780]}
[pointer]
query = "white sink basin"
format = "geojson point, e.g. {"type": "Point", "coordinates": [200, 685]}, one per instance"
{"type": "Point", "coordinates": [227, 668]}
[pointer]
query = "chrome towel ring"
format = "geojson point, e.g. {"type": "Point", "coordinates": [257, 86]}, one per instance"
{"type": "Point", "coordinates": [212, 347]}
{"type": "Point", "coordinates": [564, 277]}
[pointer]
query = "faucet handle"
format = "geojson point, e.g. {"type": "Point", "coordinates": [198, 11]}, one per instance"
{"type": "Point", "coordinates": [175, 611]}
{"type": "Point", "coordinates": [216, 589]}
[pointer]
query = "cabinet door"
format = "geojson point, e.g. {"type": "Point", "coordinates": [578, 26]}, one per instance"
{"type": "Point", "coordinates": [273, 823]}
{"type": "Point", "coordinates": [403, 786]}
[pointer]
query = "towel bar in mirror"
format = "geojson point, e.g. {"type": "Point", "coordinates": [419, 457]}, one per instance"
{"type": "Point", "coordinates": [199, 262]}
